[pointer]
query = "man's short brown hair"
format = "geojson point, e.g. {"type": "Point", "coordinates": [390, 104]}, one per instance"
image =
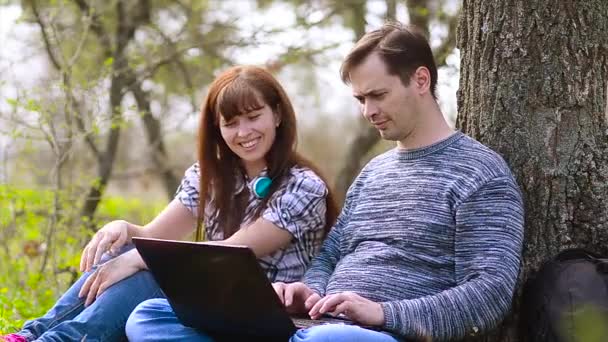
{"type": "Point", "coordinates": [402, 48]}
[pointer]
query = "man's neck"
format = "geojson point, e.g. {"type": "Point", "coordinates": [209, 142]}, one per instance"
{"type": "Point", "coordinates": [431, 128]}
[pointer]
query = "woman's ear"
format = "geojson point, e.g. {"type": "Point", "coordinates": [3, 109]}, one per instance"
{"type": "Point", "coordinates": [277, 116]}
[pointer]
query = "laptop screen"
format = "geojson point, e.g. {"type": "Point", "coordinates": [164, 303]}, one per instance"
{"type": "Point", "coordinates": [215, 287]}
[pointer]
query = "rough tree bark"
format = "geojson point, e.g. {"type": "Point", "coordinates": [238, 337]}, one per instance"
{"type": "Point", "coordinates": [533, 87]}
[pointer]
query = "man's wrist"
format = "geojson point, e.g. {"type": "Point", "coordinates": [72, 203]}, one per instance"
{"type": "Point", "coordinates": [380, 315]}
{"type": "Point", "coordinates": [388, 314]}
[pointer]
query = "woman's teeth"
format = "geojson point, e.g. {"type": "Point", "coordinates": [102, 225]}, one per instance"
{"type": "Point", "coordinates": [250, 143]}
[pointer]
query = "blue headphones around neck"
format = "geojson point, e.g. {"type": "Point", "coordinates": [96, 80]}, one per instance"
{"type": "Point", "coordinates": [260, 186]}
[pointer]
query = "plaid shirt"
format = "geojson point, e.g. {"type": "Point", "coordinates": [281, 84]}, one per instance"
{"type": "Point", "coordinates": [298, 206]}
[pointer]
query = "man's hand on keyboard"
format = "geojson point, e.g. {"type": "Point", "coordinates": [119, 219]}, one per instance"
{"type": "Point", "coordinates": [351, 305]}
{"type": "Point", "coordinates": [297, 297]}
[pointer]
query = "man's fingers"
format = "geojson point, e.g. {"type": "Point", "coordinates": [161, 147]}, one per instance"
{"type": "Point", "coordinates": [342, 308]}
{"type": "Point", "coordinates": [290, 291]}
{"type": "Point", "coordinates": [279, 288]}
{"type": "Point", "coordinates": [311, 300]}
{"type": "Point", "coordinates": [325, 305]}
{"type": "Point", "coordinates": [314, 311]}
{"type": "Point", "coordinates": [331, 303]}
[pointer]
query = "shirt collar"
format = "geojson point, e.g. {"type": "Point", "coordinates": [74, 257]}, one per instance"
{"type": "Point", "coordinates": [243, 180]}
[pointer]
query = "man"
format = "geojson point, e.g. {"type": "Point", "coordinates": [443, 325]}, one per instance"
{"type": "Point", "coordinates": [429, 240]}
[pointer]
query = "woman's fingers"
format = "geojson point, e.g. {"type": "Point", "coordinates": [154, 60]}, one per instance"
{"type": "Point", "coordinates": [88, 254]}
{"type": "Point", "coordinates": [83, 258]}
{"type": "Point", "coordinates": [110, 237]}
{"type": "Point", "coordinates": [86, 287]}
{"type": "Point", "coordinates": [102, 247]}
{"type": "Point", "coordinates": [119, 241]}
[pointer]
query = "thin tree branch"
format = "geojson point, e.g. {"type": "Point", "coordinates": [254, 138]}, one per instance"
{"type": "Point", "coordinates": [45, 36]}
{"type": "Point", "coordinates": [75, 104]}
{"type": "Point", "coordinates": [97, 27]}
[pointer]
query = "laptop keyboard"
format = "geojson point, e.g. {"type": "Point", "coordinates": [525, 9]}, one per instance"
{"type": "Point", "coordinates": [304, 323]}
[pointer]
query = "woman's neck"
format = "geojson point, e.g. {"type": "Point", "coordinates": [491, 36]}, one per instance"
{"type": "Point", "coordinates": [253, 169]}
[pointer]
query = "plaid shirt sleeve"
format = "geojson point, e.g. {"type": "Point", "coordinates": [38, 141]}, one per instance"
{"type": "Point", "coordinates": [188, 191]}
{"type": "Point", "coordinates": [299, 207]}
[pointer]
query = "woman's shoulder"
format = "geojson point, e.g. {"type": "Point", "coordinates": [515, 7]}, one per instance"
{"type": "Point", "coordinates": [302, 178]}
{"type": "Point", "coordinates": [193, 171]}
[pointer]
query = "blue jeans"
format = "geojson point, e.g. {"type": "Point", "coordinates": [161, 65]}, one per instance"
{"type": "Point", "coordinates": [103, 320]}
{"type": "Point", "coordinates": [154, 320]}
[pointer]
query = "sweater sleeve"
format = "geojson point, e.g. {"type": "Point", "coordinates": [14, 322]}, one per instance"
{"type": "Point", "coordinates": [488, 243]}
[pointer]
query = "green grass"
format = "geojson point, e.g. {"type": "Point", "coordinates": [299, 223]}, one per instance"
{"type": "Point", "coordinates": [27, 290]}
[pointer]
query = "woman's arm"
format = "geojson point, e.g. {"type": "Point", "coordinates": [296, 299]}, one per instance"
{"type": "Point", "coordinates": [298, 208]}
{"type": "Point", "coordinates": [174, 222]}
{"type": "Point", "coordinates": [263, 237]}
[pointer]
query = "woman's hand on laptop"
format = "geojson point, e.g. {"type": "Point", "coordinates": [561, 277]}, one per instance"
{"type": "Point", "coordinates": [351, 305]}
{"type": "Point", "coordinates": [297, 297]}
{"type": "Point", "coordinates": [109, 273]}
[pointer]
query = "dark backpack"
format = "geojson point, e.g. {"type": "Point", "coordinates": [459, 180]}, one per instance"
{"type": "Point", "coordinates": [567, 300]}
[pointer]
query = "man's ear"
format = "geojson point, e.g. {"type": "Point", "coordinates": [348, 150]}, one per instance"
{"type": "Point", "coordinates": [422, 79]}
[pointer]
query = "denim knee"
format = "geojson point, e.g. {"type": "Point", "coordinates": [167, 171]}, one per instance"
{"type": "Point", "coordinates": [338, 332]}
{"type": "Point", "coordinates": [325, 332]}
{"type": "Point", "coordinates": [140, 316]}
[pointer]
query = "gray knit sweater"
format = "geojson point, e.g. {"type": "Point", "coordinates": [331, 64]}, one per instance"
{"type": "Point", "coordinates": [433, 234]}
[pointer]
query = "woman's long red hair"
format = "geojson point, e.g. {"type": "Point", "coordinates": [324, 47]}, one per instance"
{"type": "Point", "coordinates": [237, 91]}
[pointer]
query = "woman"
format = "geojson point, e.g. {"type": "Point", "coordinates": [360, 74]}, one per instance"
{"type": "Point", "coordinates": [249, 187]}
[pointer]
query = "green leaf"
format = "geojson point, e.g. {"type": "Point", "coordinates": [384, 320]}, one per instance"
{"type": "Point", "coordinates": [13, 103]}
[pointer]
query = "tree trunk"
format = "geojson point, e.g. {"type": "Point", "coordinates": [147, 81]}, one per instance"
{"type": "Point", "coordinates": [127, 23]}
{"type": "Point", "coordinates": [154, 135]}
{"type": "Point", "coordinates": [533, 87]}
{"type": "Point", "coordinates": [367, 136]}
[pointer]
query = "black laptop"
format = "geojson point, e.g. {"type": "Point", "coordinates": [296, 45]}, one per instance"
{"type": "Point", "coordinates": [220, 289]}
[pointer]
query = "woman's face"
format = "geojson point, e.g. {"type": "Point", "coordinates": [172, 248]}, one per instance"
{"type": "Point", "coordinates": [250, 136]}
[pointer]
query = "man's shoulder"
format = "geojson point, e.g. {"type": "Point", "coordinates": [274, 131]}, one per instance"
{"type": "Point", "coordinates": [380, 159]}
{"type": "Point", "coordinates": [478, 158]}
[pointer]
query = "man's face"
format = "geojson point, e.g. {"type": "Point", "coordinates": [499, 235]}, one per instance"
{"type": "Point", "coordinates": [385, 102]}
